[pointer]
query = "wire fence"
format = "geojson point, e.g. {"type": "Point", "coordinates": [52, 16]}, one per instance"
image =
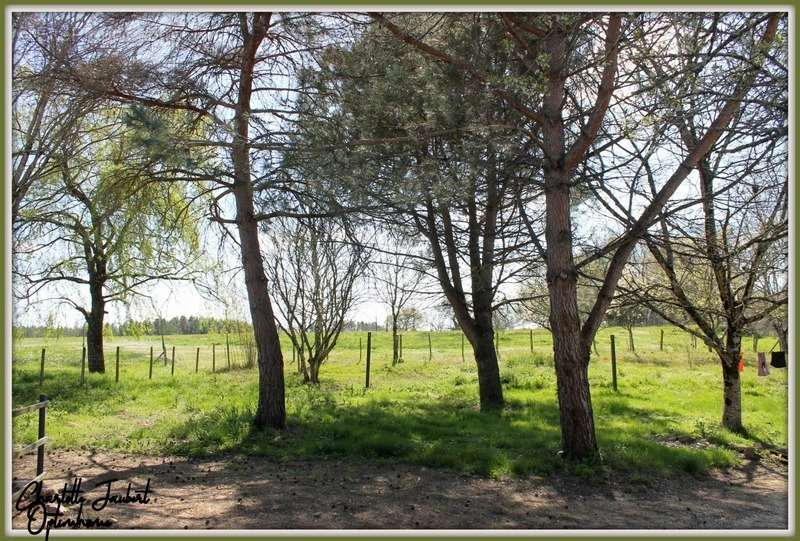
{"type": "Point", "coordinates": [154, 357]}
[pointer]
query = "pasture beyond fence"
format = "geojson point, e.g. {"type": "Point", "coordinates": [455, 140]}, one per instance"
{"type": "Point", "coordinates": [418, 410]}
{"type": "Point", "coordinates": [238, 352]}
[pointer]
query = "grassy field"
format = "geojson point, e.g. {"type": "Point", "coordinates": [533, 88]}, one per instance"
{"type": "Point", "coordinates": [664, 419]}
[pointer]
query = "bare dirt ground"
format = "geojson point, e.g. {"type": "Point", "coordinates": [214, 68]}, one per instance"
{"type": "Point", "coordinates": [256, 493]}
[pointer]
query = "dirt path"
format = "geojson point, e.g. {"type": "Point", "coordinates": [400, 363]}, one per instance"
{"type": "Point", "coordinates": [252, 492]}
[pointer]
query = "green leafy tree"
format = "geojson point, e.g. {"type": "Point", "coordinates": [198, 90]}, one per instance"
{"type": "Point", "coordinates": [103, 226]}
{"type": "Point", "coordinates": [422, 152]}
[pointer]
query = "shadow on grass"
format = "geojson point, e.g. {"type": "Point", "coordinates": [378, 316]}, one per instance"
{"type": "Point", "coordinates": [522, 439]}
{"type": "Point", "coordinates": [95, 394]}
{"type": "Point", "coordinates": [99, 397]}
{"type": "Point", "coordinates": [448, 431]}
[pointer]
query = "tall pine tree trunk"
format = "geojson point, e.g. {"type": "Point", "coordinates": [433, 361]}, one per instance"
{"type": "Point", "coordinates": [490, 389]}
{"type": "Point", "coordinates": [271, 411]}
{"type": "Point", "coordinates": [571, 357]}
{"type": "Point", "coordinates": [481, 338]}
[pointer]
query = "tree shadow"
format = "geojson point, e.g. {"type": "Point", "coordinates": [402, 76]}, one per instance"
{"type": "Point", "coordinates": [441, 431]}
{"type": "Point", "coordinates": [68, 392]}
{"type": "Point", "coordinates": [521, 439]}
{"type": "Point", "coordinates": [237, 491]}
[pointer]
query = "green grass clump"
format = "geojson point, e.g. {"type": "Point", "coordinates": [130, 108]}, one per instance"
{"type": "Point", "coordinates": [664, 419]}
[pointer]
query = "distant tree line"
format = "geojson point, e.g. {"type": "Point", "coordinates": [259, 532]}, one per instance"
{"type": "Point", "coordinates": [42, 331]}
{"type": "Point", "coordinates": [146, 327]}
{"type": "Point", "coordinates": [181, 325]}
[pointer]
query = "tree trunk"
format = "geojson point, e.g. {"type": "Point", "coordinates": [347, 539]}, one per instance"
{"type": "Point", "coordinates": [783, 335]}
{"type": "Point", "coordinates": [490, 389]}
{"type": "Point", "coordinates": [94, 328]}
{"type": "Point", "coordinates": [732, 394]}
{"type": "Point", "coordinates": [578, 438]}
{"type": "Point", "coordinates": [395, 343]}
{"type": "Point", "coordinates": [732, 388]}
{"type": "Point", "coordinates": [571, 358]}
{"type": "Point", "coordinates": [631, 345]}
{"type": "Point", "coordinates": [571, 355]}
{"type": "Point", "coordinates": [302, 367]}
{"type": "Point", "coordinates": [271, 410]}
{"type": "Point", "coordinates": [313, 372]}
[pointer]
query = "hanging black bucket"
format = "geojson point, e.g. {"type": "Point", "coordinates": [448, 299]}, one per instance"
{"type": "Point", "coordinates": [778, 359]}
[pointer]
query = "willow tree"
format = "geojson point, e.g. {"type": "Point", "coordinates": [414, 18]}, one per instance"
{"type": "Point", "coordinates": [588, 70]}
{"type": "Point", "coordinates": [101, 225]}
{"type": "Point", "coordinates": [43, 113]}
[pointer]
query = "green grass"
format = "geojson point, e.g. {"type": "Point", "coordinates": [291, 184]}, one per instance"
{"type": "Point", "coordinates": [418, 412]}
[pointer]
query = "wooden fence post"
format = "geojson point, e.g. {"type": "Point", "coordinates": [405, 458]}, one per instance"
{"type": "Point", "coordinates": [661, 342]}
{"type": "Point", "coordinates": [213, 358]}
{"type": "Point", "coordinates": [83, 363]}
{"type": "Point", "coordinates": [755, 343]}
{"type": "Point", "coordinates": [116, 371]}
{"type": "Point", "coordinates": [430, 347]}
{"type": "Point", "coordinates": [531, 337]}
{"type": "Point", "coordinates": [41, 370]}
{"type": "Point", "coordinates": [40, 451]}
{"type": "Point", "coordinates": [462, 347]}
{"type": "Point", "coordinates": [151, 363]}
{"type": "Point", "coordinates": [197, 361]}
{"type": "Point", "coordinates": [228, 350]}
{"type": "Point", "coordinates": [369, 349]}
{"type": "Point", "coordinates": [613, 364]}
{"type": "Point", "coordinates": [172, 371]}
